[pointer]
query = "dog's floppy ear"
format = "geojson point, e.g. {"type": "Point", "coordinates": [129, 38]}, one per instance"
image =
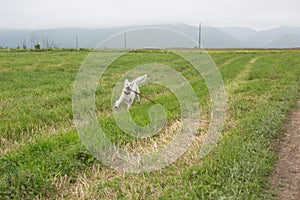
{"type": "Point", "coordinates": [126, 81]}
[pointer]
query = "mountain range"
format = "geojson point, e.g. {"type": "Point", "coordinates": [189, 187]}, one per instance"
{"type": "Point", "coordinates": [211, 37]}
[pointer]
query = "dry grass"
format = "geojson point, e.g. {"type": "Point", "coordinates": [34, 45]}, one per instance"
{"type": "Point", "coordinates": [9, 145]}
{"type": "Point", "coordinates": [86, 184]}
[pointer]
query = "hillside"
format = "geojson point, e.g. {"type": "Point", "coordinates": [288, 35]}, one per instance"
{"type": "Point", "coordinates": [212, 37]}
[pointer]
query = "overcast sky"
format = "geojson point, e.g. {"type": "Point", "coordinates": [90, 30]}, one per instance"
{"type": "Point", "coordinates": [40, 14]}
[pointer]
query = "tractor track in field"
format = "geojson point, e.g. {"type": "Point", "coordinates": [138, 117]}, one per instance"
{"type": "Point", "coordinates": [286, 176]}
{"type": "Point", "coordinates": [228, 62]}
{"type": "Point", "coordinates": [285, 179]}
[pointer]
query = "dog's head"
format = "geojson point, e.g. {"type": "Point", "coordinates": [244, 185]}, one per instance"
{"type": "Point", "coordinates": [128, 85]}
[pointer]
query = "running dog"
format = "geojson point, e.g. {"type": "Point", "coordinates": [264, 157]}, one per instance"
{"type": "Point", "coordinates": [129, 91]}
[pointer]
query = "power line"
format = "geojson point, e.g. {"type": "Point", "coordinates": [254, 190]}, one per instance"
{"type": "Point", "coordinates": [76, 42]}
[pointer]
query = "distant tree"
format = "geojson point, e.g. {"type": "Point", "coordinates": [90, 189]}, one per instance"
{"type": "Point", "coordinates": [34, 41]}
{"type": "Point", "coordinates": [48, 43]}
{"type": "Point", "coordinates": [24, 44]}
{"type": "Point", "coordinates": [37, 46]}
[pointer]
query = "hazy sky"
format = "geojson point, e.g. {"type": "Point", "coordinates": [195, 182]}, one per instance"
{"type": "Point", "coordinates": [258, 14]}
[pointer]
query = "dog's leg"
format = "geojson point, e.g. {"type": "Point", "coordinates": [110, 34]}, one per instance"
{"type": "Point", "coordinates": [119, 101]}
{"type": "Point", "coordinates": [138, 96]}
{"type": "Point", "coordinates": [129, 103]}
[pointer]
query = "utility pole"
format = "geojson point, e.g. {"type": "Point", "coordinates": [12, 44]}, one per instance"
{"type": "Point", "coordinates": [76, 42]}
{"type": "Point", "coordinates": [125, 40]}
{"type": "Point", "coordinates": [200, 32]}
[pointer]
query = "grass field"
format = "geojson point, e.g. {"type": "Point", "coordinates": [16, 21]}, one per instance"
{"type": "Point", "coordinates": [42, 156]}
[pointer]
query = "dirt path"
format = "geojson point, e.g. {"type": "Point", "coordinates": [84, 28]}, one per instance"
{"type": "Point", "coordinates": [286, 177]}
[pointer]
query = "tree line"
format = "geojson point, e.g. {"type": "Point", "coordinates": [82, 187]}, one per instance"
{"type": "Point", "coordinates": [38, 43]}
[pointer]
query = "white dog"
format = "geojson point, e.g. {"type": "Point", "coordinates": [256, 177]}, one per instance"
{"type": "Point", "coordinates": [127, 93]}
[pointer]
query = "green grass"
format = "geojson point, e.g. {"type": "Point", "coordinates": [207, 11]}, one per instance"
{"type": "Point", "coordinates": [40, 146]}
{"type": "Point", "coordinates": [36, 91]}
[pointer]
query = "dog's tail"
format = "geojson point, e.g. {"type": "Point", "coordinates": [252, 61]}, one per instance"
{"type": "Point", "coordinates": [141, 79]}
